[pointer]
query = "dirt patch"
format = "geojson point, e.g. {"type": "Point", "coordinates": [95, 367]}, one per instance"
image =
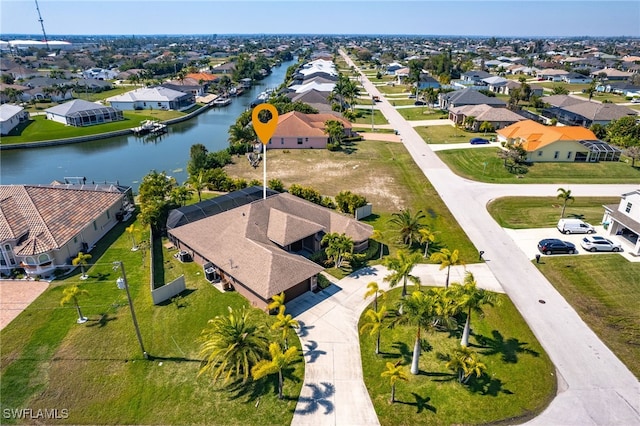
{"type": "Point", "coordinates": [16, 295]}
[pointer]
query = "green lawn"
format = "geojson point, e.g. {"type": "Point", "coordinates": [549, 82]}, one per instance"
{"type": "Point", "coordinates": [365, 117]}
{"type": "Point", "coordinates": [448, 134]}
{"type": "Point", "coordinates": [400, 101]}
{"type": "Point", "coordinates": [604, 292]}
{"type": "Point", "coordinates": [544, 212]}
{"type": "Point", "coordinates": [470, 164]}
{"type": "Point", "coordinates": [578, 87]}
{"type": "Point", "coordinates": [96, 370]}
{"type": "Point", "coordinates": [38, 128]}
{"type": "Point", "coordinates": [422, 113]}
{"type": "Point", "coordinates": [613, 97]}
{"type": "Point", "coordinates": [396, 88]}
{"type": "Point", "coordinates": [519, 382]}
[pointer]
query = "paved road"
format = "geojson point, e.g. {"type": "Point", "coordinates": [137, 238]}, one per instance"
{"type": "Point", "coordinates": [594, 387]}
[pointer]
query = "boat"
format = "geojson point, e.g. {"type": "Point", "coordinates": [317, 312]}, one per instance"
{"type": "Point", "coordinates": [150, 126]}
{"type": "Point", "coordinates": [222, 101]}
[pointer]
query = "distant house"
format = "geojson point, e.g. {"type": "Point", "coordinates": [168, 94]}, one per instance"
{"type": "Point", "coordinates": [551, 74]}
{"type": "Point", "coordinates": [316, 68]}
{"type": "Point", "coordinates": [580, 112]}
{"type": "Point", "coordinates": [576, 78]}
{"type": "Point", "coordinates": [259, 248]}
{"type": "Point", "coordinates": [622, 221]}
{"type": "Point", "coordinates": [10, 117]}
{"type": "Point", "coordinates": [187, 85]}
{"type": "Point", "coordinates": [475, 77]}
{"type": "Point", "coordinates": [152, 98]}
{"type": "Point", "coordinates": [468, 97]}
{"type": "Point", "coordinates": [81, 113]}
{"type": "Point", "coordinates": [100, 73]}
{"type": "Point", "coordinates": [497, 117]}
{"type": "Point", "coordinates": [393, 67]}
{"type": "Point", "coordinates": [401, 74]}
{"type": "Point", "coordinates": [611, 74]}
{"type": "Point", "coordinates": [226, 68]}
{"type": "Point", "coordinates": [42, 228]}
{"type": "Point", "coordinates": [314, 98]}
{"type": "Point", "coordinates": [296, 130]}
{"type": "Point", "coordinates": [557, 144]}
{"type": "Point", "coordinates": [426, 81]}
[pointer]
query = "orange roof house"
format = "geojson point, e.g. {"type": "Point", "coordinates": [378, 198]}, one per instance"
{"type": "Point", "coordinates": [298, 130]}
{"type": "Point", "coordinates": [204, 76]}
{"type": "Point", "coordinates": [557, 143]}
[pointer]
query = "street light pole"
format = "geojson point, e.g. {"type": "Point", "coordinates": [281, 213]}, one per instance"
{"type": "Point", "coordinates": [133, 312]}
{"type": "Point", "coordinates": [373, 101]}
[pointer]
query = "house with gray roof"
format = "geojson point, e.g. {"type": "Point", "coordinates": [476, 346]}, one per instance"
{"type": "Point", "coordinates": [152, 98]}
{"type": "Point", "coordinates": [578, 112]}
{"type": "Point", "coordinates": [468, 96]}
{"type": "Point", "coordinates": [258, 248]}
{"type": "Point", "coordinates": [475, 77]}
{"type": "Point", "coordinates": [81, 113]}
{"type": "Point", "coordinates": [10, 117]}
{"type": "Point", "coordinates": [314, 98]}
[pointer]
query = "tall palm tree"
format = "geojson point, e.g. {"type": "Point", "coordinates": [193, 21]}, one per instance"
{"type": "Point", "coordinates": [277, 301]}
{"type": "Point", "coordinates": [285, 323]}
{"type": "Point", "coordinates": [446, 259]}
{"type": "Point", "coordinates": [465, 362]}
{"type": "Point", "coordinates": [131, 231]}
{"type": "Point", "coordinates": [418, 311]}
{"type": "Point", "coordinates": [232, 345]}
{"type": "Point", "coordinates": [338, 246]}
{"type": "Point", "coordinates": [445, 307]}
{"type": "Point", "coordinates": [394, 372]}
{"type": "Point", "coordinates": [426, 236]}
{"type": "Point", "coordinates": [279, 361]}
{"type": "Point", "coordinates": [71, 294]}
{"type": "Point", "coordinates": [375, 290]}
{"type": "Point", "coordinates": [335, 130]}
{"type": "Point", "coordinates": [379, 237]}
{"type": "Point", "coordinates": [471, 299]}
{"type": "Point", "coordinates": [374, 321]}
{"type": "Point", "coordinates": [565, 196]}
{"type": "Point", "coordinates": [81, 259]}
{"type": "Point", "coordinates": [408, 225]}
{"type": "Point", "coordinates": [401, 265]}
{"type": "Point", "coordinates": [199, 182]}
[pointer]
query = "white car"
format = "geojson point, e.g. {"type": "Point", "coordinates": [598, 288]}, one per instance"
{"type": "Point", "coordinates": [596, 243]}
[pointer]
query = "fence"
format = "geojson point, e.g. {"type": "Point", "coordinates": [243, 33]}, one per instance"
{"type": "Point", "coordinates": [167, 291]}
{"type": "Point", "coordinates": [364, 211]}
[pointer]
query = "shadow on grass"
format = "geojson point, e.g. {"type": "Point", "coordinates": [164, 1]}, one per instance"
{"type": "Point", "coordinates": [319, 398]}
{"type": "Point", "coordinates": [99, 323]}
{"type": "Point", "coordinates": [438, 376]}
{"type": "Point", "coordinates": [177, 299]}
{"type": "Point", "coordinates": [403, 352]}
{"type": "Point", "coordinates": [253, 389]}
{"type": "Point", "coordinates": [421, 403]}
{"type": "Point", "coordinates": [487, 385]}
{"type": "Point", "coordinates": [509, 348]}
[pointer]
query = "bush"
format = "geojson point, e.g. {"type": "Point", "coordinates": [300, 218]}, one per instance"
{"type": "Point", "coordinates": [276, 185]}
{"type": "Point", "coordinates": [323, 282]}
{"type": "Point", "coordinates": [319, 257]}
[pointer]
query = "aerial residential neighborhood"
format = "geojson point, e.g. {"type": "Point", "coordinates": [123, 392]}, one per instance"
{"type": "Point", "coordinates": [434, 230]}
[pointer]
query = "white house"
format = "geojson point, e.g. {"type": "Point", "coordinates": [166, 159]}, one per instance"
{"type": "Point", "coordinates": [80, 113]}
{"type": "Point", "coordinates": [152, 98]}
{"type": "Point", "coordinates": [100, 73]}
{"type": "Point", "coordinates": [622, 221]}
{"type": "Point", "coordinates": [10, 117]}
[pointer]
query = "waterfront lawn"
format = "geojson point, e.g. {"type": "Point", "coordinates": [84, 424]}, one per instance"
{"type": "Point", "coordinates": [470, 164]}
{"type": "Point", "coordinates": [604, 292]}
{"type": "Point", "coordinates": [519, 382]}
{"type": "Point", "coordinates": [544, 212]}
{"type": "Point", "coordinates": [38, 128]}
{"type": "Point", "coordinates": [364, 117]}
{"type": "Point", "coordinates": [96, 370]}
{"type": "Point", "coordinates": [383, 172]}
{"type": "Point", "coordinates": [421, 113]}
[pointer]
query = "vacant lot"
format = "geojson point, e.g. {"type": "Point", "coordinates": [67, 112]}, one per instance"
{"type": "Point", "coordinates": [448, 134]}
{"type": "Point", "coordinates": [421, 113]}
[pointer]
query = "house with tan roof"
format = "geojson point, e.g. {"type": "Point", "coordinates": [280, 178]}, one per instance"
{"type": "Point", "coordinates": [296, 130]}
{"type": "Point", "coordinates": [258, 248]}
{"type": "Point", "coordinates": [574, 111]}
{"type": "Point", "coordinates": [557, 144]}
{"type": "Point", "coordinates": [497, 117]}
{"type": "Point", "coordinates": [43, 228]}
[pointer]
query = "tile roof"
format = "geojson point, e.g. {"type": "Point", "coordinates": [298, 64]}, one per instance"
{"type": "Point", "coordinates": [296, 124]}
{"type": "Point", "coordinates": [534, 135]}
{"type": "Point", "coordinates": [51, 215]}
{"type": "Point", "coordinates": [245, 241]}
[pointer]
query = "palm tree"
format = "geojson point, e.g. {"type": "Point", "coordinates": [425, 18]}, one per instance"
{"type": "Point", "coordinates": [374, 322]}
{"type": "Point", "coordinates": [338, 245]}
{"type": "Point", "coordinates": [285, 323]}
{"type": "Point", "coordinates": [469, 122]}
{"type": "Point", "coordinates": [465, 362]}
{"type": "Point", "coordinates": [81, 259]}
{"type": "Point", "coordinates": [71, 294]}
{"type": "Point", "coordinates": [377, 235]}
{"type": "Point", "coordinates": [232, 345]}
{"type": "Point", "coordinates": [199, 182]}
{"type": "Point", "coordinates": [446, 259]}
{"type": "Point", "coordinates": [374, 290]}
{"type": "Point", "coordinates": [485, 127]}
{"type": "Point", "coordinates": [335, 130]}
{"type": "Point", "coordinates": [408, 225]}
{"type": "Point", "coordinates": [277, 301]}
{"type": "Point", "coordinates": [279, 361]}
{"type": "Point", "coordinates": [565, 196]}
{"type": "Point", "coordinates": [394, 372]}
{"type": "Point", "coordinates": [426, 236]}
{"type": "Point", "coordinates": [131, 231]}
{"type": "Point", "coordinates": [471, 298]}
{"type": "Point", "coordinates": [401, 265]}
{"type": "Point", "coordinates": [445, 307]}
{"type": "Point", "coordinates": [418, 311]}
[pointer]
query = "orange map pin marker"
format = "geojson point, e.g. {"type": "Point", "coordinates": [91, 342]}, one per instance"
{"type": "Point", "coordinates": [265, 130]}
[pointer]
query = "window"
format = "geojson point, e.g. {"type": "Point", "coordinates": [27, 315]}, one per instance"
{"type": "Point", "coordinates": [29, 260]}
{"type": "Point", "coordinates": [95, 226]}
{"type": "Point", "coordinates": [628, 208]}
{"type": "Point", "coordinates": [43, 258]}
{"type": "Point", "coordinates": [269, 141]}
{"type": "Point", "coordinates": [108, 215]}
{"type": "Point", "coordinates": [299, 141]}
{"type": "Point", "coordinates": [306, 139]}
{"type": "Point", "coordinates": [569, 155]}
{"type": "Point", "coordinates": [75, 240]}
{"type": "Point", "coordinates": [281, 141]}
{"type": "Point", "coordinates": [556, 154]}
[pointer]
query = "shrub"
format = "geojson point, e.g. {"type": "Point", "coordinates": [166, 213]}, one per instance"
{"type": "Point", "coordinates": [276, 185]}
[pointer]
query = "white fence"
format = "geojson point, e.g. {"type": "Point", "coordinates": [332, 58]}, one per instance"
{"type": "Point", "coordinates": [167, 291]}
{"type": "Point", "coordinates": [364, 211]}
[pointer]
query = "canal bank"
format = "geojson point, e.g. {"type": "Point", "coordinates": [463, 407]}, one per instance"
{"type": "Point", "coordinates": [127, 158]}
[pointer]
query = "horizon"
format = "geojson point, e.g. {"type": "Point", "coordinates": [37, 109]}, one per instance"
{"type": "Point", "coordinates": [522, 19]}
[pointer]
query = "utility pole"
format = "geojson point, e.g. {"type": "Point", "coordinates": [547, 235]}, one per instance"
{"type": "Point", "coordinates": [122, 282]}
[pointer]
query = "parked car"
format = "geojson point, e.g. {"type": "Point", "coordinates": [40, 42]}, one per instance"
{"type": "Point", "coordinates": [478, 141]}
{"type": "Point", "coordinates": [574, 226]}
{"type": "Point", "coordinates": [596, 243]}
{"type": "Point", "coordinates": [419, 102]}
{"type": "Point", "coordinates": [412, 96]}
{"type": "Point", "coordinates": [554, 245]}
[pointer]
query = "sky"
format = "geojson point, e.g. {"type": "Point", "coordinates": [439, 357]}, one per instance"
{"type": "Point", "coordinates": [508, 18]}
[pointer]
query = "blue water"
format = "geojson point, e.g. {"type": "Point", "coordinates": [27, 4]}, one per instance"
{"type": "Point", "coordinates": [127, 159]}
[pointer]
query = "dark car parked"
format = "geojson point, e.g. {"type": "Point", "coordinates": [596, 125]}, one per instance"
{"type": "Point", "coordinates": [419, 102]}
{"type": "Point", "coordinates": [553, 245]}
{"type": "Point", "coordinates": [478, 141]}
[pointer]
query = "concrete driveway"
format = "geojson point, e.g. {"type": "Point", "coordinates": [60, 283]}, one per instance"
{"type": "Point", "coordinates": [15, 296]}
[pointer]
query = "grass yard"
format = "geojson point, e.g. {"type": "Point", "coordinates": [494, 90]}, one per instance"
{"type": "Point", "coordinates": [422, 113]}
{"type": "Point", "coordinates": [575, 87]}
{"type": "Point", "coordinates": [519, 382]}
{"type": "Point", "coordinates": [38, 128]}
{"type": "Point", "coordinates": [364, 117]}
{"type": "Point", "coordinates": [387, 89]}
{"type": "Point", "coordinates": [604, 292]}
{"type": "Point", "coordinates": [544, 212]}
{"type": "Point", "coordinates": [448, 134]}
{"type": "Point", "coordinates": [96, 370]}
{"type": "Point", "coordinates": [400, 101]}
{"type": "Point", "coordinates": [383, 172]}
{"type": "Point", "coordinates": [470, 164]}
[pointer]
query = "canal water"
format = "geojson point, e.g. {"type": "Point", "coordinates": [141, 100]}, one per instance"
{"type": "Point", "coordinates": [126, 159]}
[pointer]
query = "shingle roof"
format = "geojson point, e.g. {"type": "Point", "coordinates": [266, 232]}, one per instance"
{"type": "Point", "coordinates": [148, 94]}
{"type": "Point", "coordinates": [74, 106]}
{"type": "Point", "coordinates": [296, 124]}
{"type": "Point", "coordinates": [487, 113]}
{"type": "Point", "coordinates": [51, 215]}
{"type": "Point", "coordinates": [8, 111]}
{"type": "Point", "coordinates": [472, 97]}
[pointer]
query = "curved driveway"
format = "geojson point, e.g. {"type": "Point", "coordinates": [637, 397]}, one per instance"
{"type": "Point", "coordinates": [594, 387]}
